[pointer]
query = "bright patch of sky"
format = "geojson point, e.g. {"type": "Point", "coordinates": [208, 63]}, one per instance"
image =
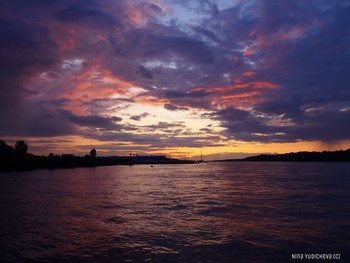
{"type": "Point", "coordinates": [151, 64]}
{"type": "Point", "coordinates": [224, 4]}
{"type": "Point", "coordinates": [187, 14]}
{"type": "Point", "coordinates": [72, 64]}
{"type": "Point", "coordinates": [193, 11]}
{"type": "Point", "coordinates": [158, 114]}
{"type": "Point", "coordinates": [132, 91]}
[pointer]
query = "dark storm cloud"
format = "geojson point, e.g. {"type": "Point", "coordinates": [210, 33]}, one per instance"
{"type": "Point", "coordinates": [165, 126]}
{"type": "Point", "coordinates": [318, 125]}
{"type": "Point", "coordinates": [243, 125]}
{"type": "Point", "coordinates": [139, 117]}
{"type": "Point", "coordinates": [157, 141]}
{"type": "Point", "coordinates": [144, 55]}
{"type": "Point", "coordinates": [105, 105]}
{"type": "Point", "coordinates": [210, 35]}
{"type": "Point", "coordinates": [35, 120]}
{"type": "Point", "coordinates": [303, 46]}
{"type": "Point", "coordinates": [173, 107]}
{"type": "Point", "coordinates": [300, 46]}
{"type": "Point", "coordinates": [92, 120]}
{"type": "Point", "coordinates": [144, 73]}
{"type": "Point", "coordinates": [191, 94]}
{"type": "Point", "coordinates": [85, 10]}
{"type": "Point", "coordinates": [25, 48]}
{"type": "Point", "coordinates": [192, 49]}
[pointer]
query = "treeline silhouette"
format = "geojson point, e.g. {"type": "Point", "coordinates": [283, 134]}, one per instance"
{"type": "Point", "coordinates": [17, 158]}
{"type": "Point", "coordinates": [325, 156]}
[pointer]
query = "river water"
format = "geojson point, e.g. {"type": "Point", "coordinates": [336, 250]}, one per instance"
{"type": "Point", "coordinates": [208, 212]}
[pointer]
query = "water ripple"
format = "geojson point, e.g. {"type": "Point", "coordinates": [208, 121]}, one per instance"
{"type": "Point", "coordinates": [218, 212]}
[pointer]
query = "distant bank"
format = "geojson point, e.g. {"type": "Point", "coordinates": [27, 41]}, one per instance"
{"type": "Point", "coordinates": [17, 158]}
{"type": "Point", "coordinates": [31, 162]}
{"type": "Point", "coordinates": [326, 156]}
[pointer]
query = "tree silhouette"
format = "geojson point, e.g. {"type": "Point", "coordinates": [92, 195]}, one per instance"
{"type": "Point", "coordinates": [93, 153]}
{"type": "Point", "coordinates": [5, 149]}
{"type": "Point", "coordinates": [20, 148]}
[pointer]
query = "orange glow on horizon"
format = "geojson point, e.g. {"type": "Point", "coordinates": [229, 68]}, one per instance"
{"type": "Point", "coordinates": [81, 146]}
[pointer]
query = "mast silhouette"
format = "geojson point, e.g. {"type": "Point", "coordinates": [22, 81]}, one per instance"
{"type": "Point", "coordinates": [201, 160]}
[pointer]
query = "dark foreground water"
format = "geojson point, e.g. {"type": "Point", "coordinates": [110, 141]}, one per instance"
{"type": "Point", "coordinates": [211, 212]}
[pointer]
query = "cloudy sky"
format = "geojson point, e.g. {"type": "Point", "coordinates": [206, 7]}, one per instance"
{"type": "Point", "coordinates": [175, 76]}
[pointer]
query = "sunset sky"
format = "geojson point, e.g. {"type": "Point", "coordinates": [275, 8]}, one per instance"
{"type": "Point", "coordinates": [226, 78]}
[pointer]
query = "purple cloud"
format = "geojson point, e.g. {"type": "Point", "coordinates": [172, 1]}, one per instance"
{"type": "Point", "coordinates": [211, 60]}
{"type": "Point", "coordinates": [139, 117]}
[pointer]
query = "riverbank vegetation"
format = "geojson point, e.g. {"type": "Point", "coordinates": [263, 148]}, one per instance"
{"type": "Point", "coordinates": [17, 158]}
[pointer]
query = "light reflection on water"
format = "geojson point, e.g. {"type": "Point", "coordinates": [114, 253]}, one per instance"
{"type": "Point", "coordinates": [211, 212]}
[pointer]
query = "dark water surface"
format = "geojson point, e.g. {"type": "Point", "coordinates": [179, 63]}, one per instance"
{"type": "Point", "coordinates": [210, 212]}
